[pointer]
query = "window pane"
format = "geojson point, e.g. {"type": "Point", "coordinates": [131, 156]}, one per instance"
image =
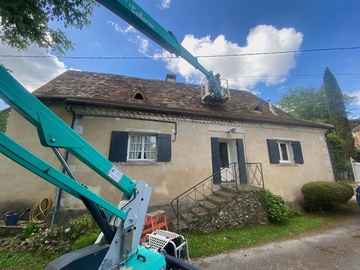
{"type": "Point", "coordinates": [283, 151]}
{"type": "Point", "coordinates": [142, 147]}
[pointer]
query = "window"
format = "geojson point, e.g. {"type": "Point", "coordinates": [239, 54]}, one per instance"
{"type": "Point", "coordinates": [139, 147]}
{"type": "Point", "coordinates": [281, 151]}
{"type": "Point", "coordinates": [142, 147]}
{"type": "Point", "coordinates": [284, 151]}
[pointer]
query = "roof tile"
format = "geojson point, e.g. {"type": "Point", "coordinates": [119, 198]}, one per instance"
{"type": "Point", "coordinates": [118, 90]}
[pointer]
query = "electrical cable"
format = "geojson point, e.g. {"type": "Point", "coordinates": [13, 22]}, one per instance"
{"type": "Point", "coordinates": [170, 57]}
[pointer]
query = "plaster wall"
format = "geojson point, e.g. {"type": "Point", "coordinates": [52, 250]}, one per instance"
{"type": "Point", "coordinates": [21, 188]}
{"type": "Point", "coordinates": [191, 159]}
{"type": "Point", "coordinates": [286, 180]}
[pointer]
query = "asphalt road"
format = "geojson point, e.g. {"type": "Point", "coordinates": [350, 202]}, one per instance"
{"type": "Point", "coordinates": [336, 246]}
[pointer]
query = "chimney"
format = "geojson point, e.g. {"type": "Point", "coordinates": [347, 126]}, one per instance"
{"type": "Point", "coordinates": [170, 77]}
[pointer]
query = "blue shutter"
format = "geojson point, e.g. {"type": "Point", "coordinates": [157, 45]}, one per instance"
{"type": "Point", "coordinates": [298, 157]}
{"type": "Point", "coordinates": [274, 154]}
{"type": "Point", "coordinates": [215, 158]}
{"type": "Point", "coordinates": [118, 146]}
{"type": "Point", "coordinates": [164, 147]}
{"type": "Point", "coordinates": [241, 160]}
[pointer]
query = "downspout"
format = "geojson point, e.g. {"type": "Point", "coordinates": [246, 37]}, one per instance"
{"type": "Point", "coordinates": [331, 156]}
{"type": "Point", "coordinates": [66, 158]}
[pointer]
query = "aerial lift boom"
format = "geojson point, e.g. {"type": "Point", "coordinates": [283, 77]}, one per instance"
{"type": "Point", "coordinates": [129, 11]}
{"type": "Point", "coordinates": [118, 247]}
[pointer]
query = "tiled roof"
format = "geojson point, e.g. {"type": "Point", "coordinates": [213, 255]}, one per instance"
{"type": "Point", "coordinates": [356, 129]}
{"type": "Point", "coordinates": [159, 96]}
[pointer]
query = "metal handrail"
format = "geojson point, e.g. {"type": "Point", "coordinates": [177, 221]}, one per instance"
{"type": "Point", "coordinates": [230, 175]}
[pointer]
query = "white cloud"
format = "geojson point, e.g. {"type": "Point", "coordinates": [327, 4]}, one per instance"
{"type": "Point", "coordinates": [144, 44]}
{"type": "Point", "coordinates": [118, 28]}
{"type": "Point", "coordinates": [31, 72]}
{"type": "Point", "coordinates": [164, 4]}
{"type": "Point", "coordinates": [133, 36]}
{"type": "Point", "coordinates": [96, 45]}
{"type": "Point", "coordinates": [356, 94]}
{"type": "Point", "coordinates": [243, 72]}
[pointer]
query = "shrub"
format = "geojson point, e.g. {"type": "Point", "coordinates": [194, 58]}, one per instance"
{"type": "Point", "coordinates": [30, 229]}
{"type": "Point", "coordinates": [85, 240]}
{"type": "Point", "coordinates": [324, 196]}
{"type": "Point", "coordinates": [276, 208]}
{"type": "Point", "coordinates": [56, 239]}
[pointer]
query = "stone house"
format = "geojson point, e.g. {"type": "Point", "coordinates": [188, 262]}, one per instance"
{"type": "Point", "coordinates": [163, 133]}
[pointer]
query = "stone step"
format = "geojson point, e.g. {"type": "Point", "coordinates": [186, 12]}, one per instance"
{"type": "Point", "coordinates": [210, 207]}
{"type": "Point", "coordinates": [228, 187]}
{"type": "Point", "coordinates": [200, 212]}
{"type": "Point", "coordinates": [178, 227]}
{"type": "Point", "coordinates": [224, 194]}
{"type": "Point", "coordinates": [190, 219]}
{"type": "Point", "coordinates": [216, 200]}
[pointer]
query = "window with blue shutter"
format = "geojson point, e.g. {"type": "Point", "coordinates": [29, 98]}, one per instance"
{"type": "Point", "coordinates": [282, 151]}
{"type": "Point", "coordinates": [139, 147]}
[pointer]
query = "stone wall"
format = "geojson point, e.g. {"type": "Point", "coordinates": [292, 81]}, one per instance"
{"type": "Point", "coordinates": [244, 209]}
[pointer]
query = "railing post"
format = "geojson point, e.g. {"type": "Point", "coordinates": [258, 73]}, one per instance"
{"type": "Point", "coordinates": [262, 176]}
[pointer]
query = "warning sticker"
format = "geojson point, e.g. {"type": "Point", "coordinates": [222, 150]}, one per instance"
{"type": "Point", "coordinates": [115, 174]}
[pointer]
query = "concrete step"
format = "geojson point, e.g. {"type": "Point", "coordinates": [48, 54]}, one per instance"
{"type": "Point", "coordinates": [228, 187]}
{"type": "Point", "coordinates": [190, 219]}
{"type": "Point", "coordinates": [210, 207]}
{"type": "Point", "coordinates": [216, 200]}
{"type": "Point", "coordinates": [224, 194]}
{"type": "Point", "coordinates": [174, 226]}
{"type": "Point", "coordinates": [200, 212]}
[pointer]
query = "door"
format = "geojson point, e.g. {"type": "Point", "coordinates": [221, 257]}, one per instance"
{"type": "Point", "coordinates": [222, 158]}
{"type": "Point", "coordinates": [224, 155]}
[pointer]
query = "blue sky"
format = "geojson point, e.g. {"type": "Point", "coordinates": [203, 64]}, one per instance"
{"type": "Point", "coordinates": [209, 28]}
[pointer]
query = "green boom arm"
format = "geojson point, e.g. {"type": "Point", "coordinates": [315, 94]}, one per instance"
{"type": "Point", "coordinates": [129, 11]}
{"type": "Point", "coordinates": [53, 132]}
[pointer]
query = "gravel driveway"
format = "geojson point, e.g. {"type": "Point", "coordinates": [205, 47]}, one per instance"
{"type": "Point", "coordinates": [336, 246]}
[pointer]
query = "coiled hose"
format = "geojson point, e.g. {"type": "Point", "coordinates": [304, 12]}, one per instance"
{"type": "Point", "coordinates": [40, 210]}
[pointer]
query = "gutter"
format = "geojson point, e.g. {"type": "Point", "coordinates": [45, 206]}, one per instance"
{"type": "Point", "coordinates": [194, 114]}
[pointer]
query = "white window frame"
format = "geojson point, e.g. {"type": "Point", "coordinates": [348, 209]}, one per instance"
{"type": "Point", "coordinates": [288, 149]}
{"type": "Point", "coordinates": [138, 147]}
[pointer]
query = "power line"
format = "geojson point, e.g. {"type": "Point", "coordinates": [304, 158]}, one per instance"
{"type": "Point", "coordinates": [297, 75]}
{"type": "Point", "coordinates": [171, 57]}
{"type": "Point", "coordinates": [259, 77]}
{"type": "Point", "coordinates": [284, 52]}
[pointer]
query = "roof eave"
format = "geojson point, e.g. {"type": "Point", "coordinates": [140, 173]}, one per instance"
{"type": "Point", "coordinates": [173, 111]}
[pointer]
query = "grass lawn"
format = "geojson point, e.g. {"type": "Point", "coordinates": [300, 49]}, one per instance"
{"type": "Point", "coordinates": [206, 244]}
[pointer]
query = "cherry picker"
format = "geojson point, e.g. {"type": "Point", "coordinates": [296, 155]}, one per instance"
{"type": "Point", "coordinates": [118, 246]}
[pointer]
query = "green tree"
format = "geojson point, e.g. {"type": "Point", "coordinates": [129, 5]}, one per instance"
{"type": "Point", "coordinates": [309, 103]}
{"type": "Point", "coordinates": [341, 163]}
{"type": "Point", "coordinates": [305, 103]}
{"type": "Point", "coordinates": [25, 22]}
{"type": "Point", "coordinates": [337, 112]}
{"type": "Point", "coordinates": [4, 115]}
